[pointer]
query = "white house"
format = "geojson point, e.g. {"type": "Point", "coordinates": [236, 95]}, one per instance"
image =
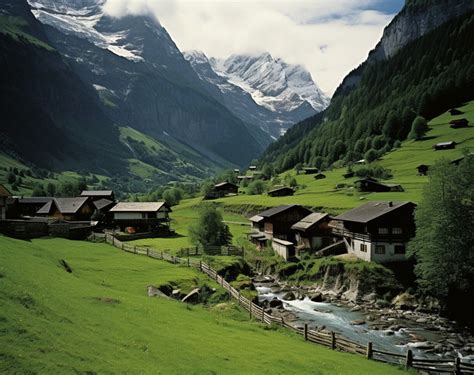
{"type": "Point", "coordinates": [142, 216]}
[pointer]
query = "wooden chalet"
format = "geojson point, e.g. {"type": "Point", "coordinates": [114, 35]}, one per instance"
{"type": "Point", "coordinates": [222, 189]}
{"type": "Point", "coordinates": [460, 123]}
{"type": "Point", "coordinates": [310, 170]}
{"type": "Point", "coordinates": [277, 221]}
{"type": "Point", "coordinates": [348, 175]}
{"type": "Point", "coordinates": [96, 195]}
{"type": "Point", "coordinates": [136, 217]}
{"type": "Point", "coordinates": [369, 184]}
{"type": "Point", "coordinates": [377, 231]}
{"type": "Point", "coordinates": [455, 112]}
{"type": "Point", "coordinates": [320, 176]}
{"type": "Point", "coordinates": [422, 169]}
{"type": "Point", "coordinates": [4, 196]}
{"type": "Point", "coordinates": [445, 145]}
{"type": "Point", "coordinates": [313, 232]}
{"type": "Point", "coordinates": [20, 207]}
{"type": "Point", "coordinates": [68, 209]}
{"type": "Point", "coordinates": [281, 192]}
{"type": "Point", "coordinates": [253, 168]}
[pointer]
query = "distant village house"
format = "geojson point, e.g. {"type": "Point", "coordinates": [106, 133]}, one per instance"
{"type": "Point", "coordinates": [457, 124]}
{"type": "Point", "coordinates": [221, 190]}
{"type": "Point", "coordinates": [310, 170]}
{"type": "Point", "coordinates": [135, 217]}
{"type": "Point", "coordinates": [369, 184]}
{"type": "Point", "coordinates": [320, 176]}
{"type": "Point", "coordinates": [422, 169]}
{"type": "Point", "coordinates": [281, 192]}
{"type": "Point", "coordinates": [69, 209]}
{"type": "Point", "coordinates": [445, 145]}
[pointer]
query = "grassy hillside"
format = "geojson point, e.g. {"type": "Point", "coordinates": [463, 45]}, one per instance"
{"type": "Point", "coordinates": [98, 319]}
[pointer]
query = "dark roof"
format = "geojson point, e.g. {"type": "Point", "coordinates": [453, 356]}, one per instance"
{"type": "Point", "coordinates": [280, 188]}
{"type": "Point", "coordinates": [371, 211]}
{"type": "Point", "coordinates": [35, 200]}
{"type": "Point", "coordinates": [97, 193]}
{"type": "Point", "coordinates": [139, 207]}
{"type": "Point", "coordinates": [277, 210]}
{"type": "Point", "coordinates": [64, 205]}
{"type": "Point", "coordinates": [220, 184]}
{"type": "Point", "coordinates": [309, 221]}
{"type": "Point", "coordinates": [4, 192]}
{"type": "Point", "coordinates": [102, 203]}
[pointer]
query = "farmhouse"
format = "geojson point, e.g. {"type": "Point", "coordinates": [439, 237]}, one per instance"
{"type": "Point", "coordinates": [142, 217]}
{"type": "Point", "coordinates": [99, 194]}
{"type": "Point", "coordinates": [312, 232]}
{"type": "Point", "coordinates": [221, 190]}
{"type": "Point", "coordinates": [422, 169]}
{"type": "Point", "coordinates": [4, 195]}
{"type": "Point", "coordinates": [69, 209]}
{"type": "Point", "coordinates": [445, 145]}
{"type": "Point", "coordinates": [26, 206]}
{"type": "Point", "coordinates": [320, 176]}
{"type": "Point", "coordinates": [277, 221]}
{"type": "Point", "coordinates": [457, 124]}
{"type": "Point", "coordinates": [369, 184]}
{"type": "Point", "coordinates": [310, 170]}
{"type": "Point", "coordinates": [281, 192]}
{"type": "Point", "coordinates": [377, 231]}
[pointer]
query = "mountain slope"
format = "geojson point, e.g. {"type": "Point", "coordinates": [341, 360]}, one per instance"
{"type": "Point", "coordinates": [425, 77]}
{"type": "Point", "coordinates": [147, 83]}
{"type": "Point", "coordinates": [261, 90]}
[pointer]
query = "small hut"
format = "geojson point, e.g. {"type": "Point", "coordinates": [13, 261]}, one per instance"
{"type": "Point", "coordinates": [349, 175]}
{"type": "Point", "coordinates": [455, 112]}
{"type": "Point", "coordinates": [320, 176]}
{"type": "Point", "coordinates": [460, 123]}
{"type": "Point", "coordinates": [369, 184]}
{"type": "Point", "coordinates": [281, 192]}
{"type": "Point", "coordinates": [422, 169]}
{"type": "Point", "coordinates": [222, 189]}
{"type": "Point", "coordinates": [445, 145]}
{"type": "Point", "coordinates": [310, 170]}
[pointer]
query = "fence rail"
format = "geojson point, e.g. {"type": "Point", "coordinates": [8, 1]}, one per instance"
{"type": "Point", "coordinates": [331, 340]}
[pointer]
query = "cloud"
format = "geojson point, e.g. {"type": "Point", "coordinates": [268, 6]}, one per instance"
{"type": "Point", "coordinates": [328, 37]}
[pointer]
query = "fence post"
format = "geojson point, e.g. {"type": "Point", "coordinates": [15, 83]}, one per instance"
{"type": "Point", "coordinates": [263, 315]}
{"type": "Point", "coordinates": [134, 249]}
{"type": "Point", "coordinates": [369, 350]}
{"type": "Point", "coordinates": [161, 254]}
{"type": "Point", "coordinates": [189, 265]}
{"type": "Point", "coordinates": [409, 358]}
{"type": "Point", "coordinates": [306, 332]}
{"type": "Point", "coordinates": [457, 366]}
{"type": "Point", "coordinates": [333, 340]}
{"type": "Point", "coordinates": [250, 310]}
{"type": "Point", "coordinates": [123, 246]}
{"type": "Point", "coordinates": [239, 296]}
{"type": "Point", "coordinates": [200, 265]}
{"type": "Point", "coordinates": [147, 251]}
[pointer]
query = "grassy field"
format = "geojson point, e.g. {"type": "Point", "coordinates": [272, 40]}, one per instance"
{"type": "Point", "coordinates": [98, 319]}
{"type": "Point", "coordinates": [402, 162]}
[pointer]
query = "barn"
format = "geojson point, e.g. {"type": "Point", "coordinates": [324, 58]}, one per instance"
{"type": "Point", "coordinates": [281, 192]}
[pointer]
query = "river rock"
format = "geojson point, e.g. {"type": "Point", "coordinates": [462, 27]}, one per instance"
{"type": "Point", "coordinates": [275, 302]}
{"type": "Point", "coordinates": [358, 322]}
{"type": "Point", "coordinates": [192, 297]}
{"type": "Point", "coordinates": [425, 345]}
{"type": "Point", "coordinates": [389, 333]}
{"type": "Point", "coordinates": [290, 296]}
{"type": "Point", "coordinates": [405, 301]}
{"type": "Point", "coordinates": [317, 297]}
{"type": "Point", "coordinates": [395, 328]}
{"type": "Point", "coordinates": [155, 292]}
{"type": "Point", "coordinates": [356, 308]}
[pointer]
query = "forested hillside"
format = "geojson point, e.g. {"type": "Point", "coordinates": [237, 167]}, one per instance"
{"type": "Point", "coordinates": [426, 77]}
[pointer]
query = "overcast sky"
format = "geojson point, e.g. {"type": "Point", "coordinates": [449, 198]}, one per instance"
{"type": "Point", "coordinates": [328, 37]}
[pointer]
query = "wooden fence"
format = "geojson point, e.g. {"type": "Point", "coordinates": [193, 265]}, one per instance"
{"type": "Point", "coordinates": [211, 250]}
{"type": "Point", "coordinates": [328, 339]}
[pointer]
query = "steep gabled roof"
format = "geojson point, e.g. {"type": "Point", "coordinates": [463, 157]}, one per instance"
{"type": "Point", "coordinates": [64, 205]}
{"type": "Point", "coordinates": [102, 203]}
{"type": "Point", "coordinates": [220, 184]}
{"type": "Point", "coordinates": [139, 207]}
{"type": "Point", "coordinates": [309, 221]}
{"type": "Point", "coordinates": [4, 192]}
{"type": "Point", "coordinates": [278, 210]}
{"type": "Point", "coordinates": [371, 211]}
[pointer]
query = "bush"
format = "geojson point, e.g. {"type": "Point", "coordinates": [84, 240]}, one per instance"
{"type": "Point", "coordinates": [256, 187]}
{"type": "Point", "coordinates": [209, 229]}
{"type": "Point", "coordinates": [419, 128]}
{"type": "Point", "coordinates": [371, 155]}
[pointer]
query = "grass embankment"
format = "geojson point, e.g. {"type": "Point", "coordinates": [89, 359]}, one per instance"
{"type": "Point", "coordinates": [99, 319]}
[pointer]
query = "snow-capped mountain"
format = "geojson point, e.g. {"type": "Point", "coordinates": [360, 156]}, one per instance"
{"type": "Point", "coordinates": [144, 81]}
{"type": "Point", "coordinates": [262, 89]}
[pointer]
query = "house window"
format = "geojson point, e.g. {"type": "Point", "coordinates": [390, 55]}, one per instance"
{"type": "Point", "coordinates": [380, 249]}
{"type": "Point", "coordinates": [363, 247]}
{"type": "Point", "coordinates": [383, 230]}
{"type": "Point", "coordinates": [399, 249]}
{"type": "Point", "coordinates": [397, 230]}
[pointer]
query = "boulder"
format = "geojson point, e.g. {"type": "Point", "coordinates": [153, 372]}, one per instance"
{"type": "Point", "coordinates": [358, 322]}
{"type": "Point", "coordinates": [153, 291]}
{"type": "Point", "coordinates": [356, 308]}
{"type": "Point", "coordinates": [317, 297]}
{"type": "Point", "coordinates": [290, 296]}
{"type": "Point", "coordinates": [192, 297]}
{"type": "Point", "coordinates": [405, 301]}
{"type": "Point", "coordinates": [275, 302]}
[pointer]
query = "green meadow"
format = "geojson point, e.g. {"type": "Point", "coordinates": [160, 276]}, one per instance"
{"type": "Point", "coordinates": [99, 320]}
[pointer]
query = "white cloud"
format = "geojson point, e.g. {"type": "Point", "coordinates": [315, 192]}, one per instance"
{"type": "Point", "coordinates": [329, 37]}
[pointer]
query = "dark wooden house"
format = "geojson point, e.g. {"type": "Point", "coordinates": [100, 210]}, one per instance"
{"type": "Point", "coordinates": [310, 170]}
{"type": "Point", "coordinates": [445, 145]}
{"type": "Point", "coordinates": [455, 112]}
{"type": "Point", "coordinates": [68, 209]}
{"type": "Point", "coordinates": [348, 175]}
{"type": "Point", "coordinates": [136, 217]}
{"type": "Point", "coordinates": [377, 231]}
{"type": "Point", "coordinates": [277, 221]}
{"type": "Point", "coordinates": [96, 195]}
{"type": "Point", "coordinates": [20, 207]}
{"type": "Point", "coordinates": [4, 196]}
{"type": "Point", "coordinates": [369, 184]}
{"type": "Point", "coordinates": [320, 176]}
{"type": "Point", "coordinates": [460, 123]}
{"type": "Point", "coordinates": [422, 169]}
{"type": "Point", "coordinates": [313, 232]}
{"type": "Point", "coordinates": [281, 192]}
{"type": "Point", "coordinates": [222, 189]}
